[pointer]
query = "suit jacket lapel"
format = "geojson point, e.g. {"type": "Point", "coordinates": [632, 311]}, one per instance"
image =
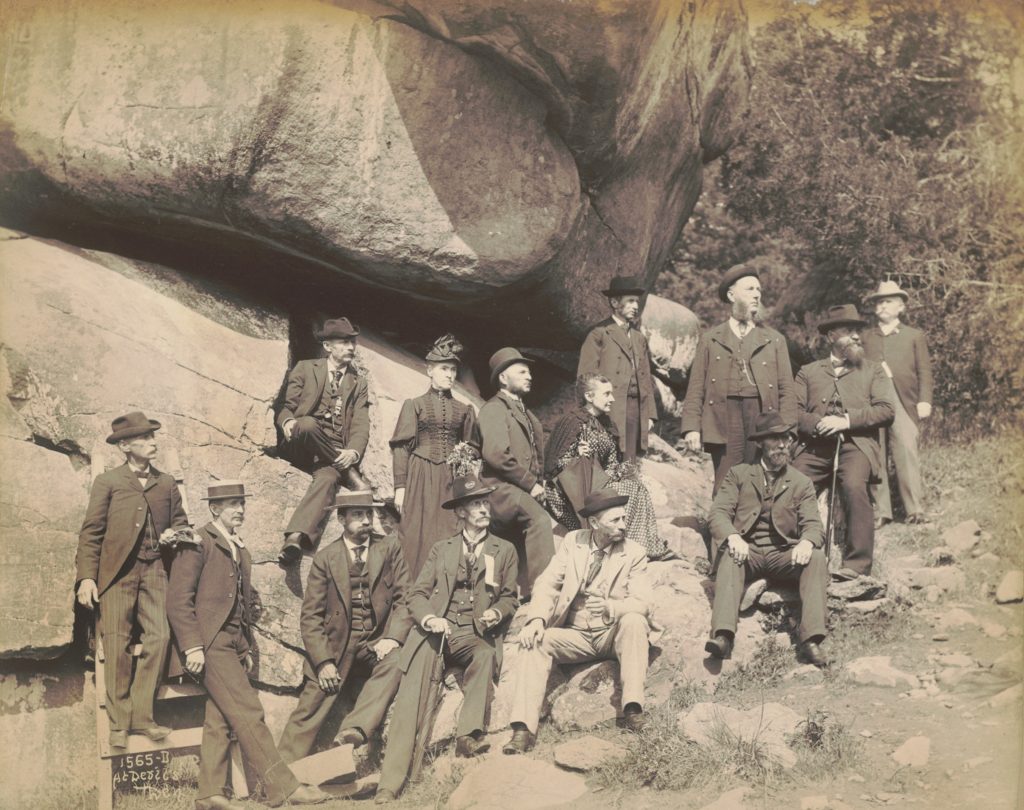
{"type": "Point", "coordinates": [320, 376]}
{"type": "Point", "coordinates": [489, 546]}
{"type": "Point", "coordinates": [757, 479]}
{"type": "Point", "coordinates": [131, 477]}
{"type": "Point", "coordinates": [618, 336]}
{"type": "Point", "coordinates": [518, 414]}
{"type": "Point", "coordinates": [580, 555]}
{"type": "Point", "coordinates": [337, 564]}
{"type": "Point", "coordinates": [154, 475]}
{"type": "Point", "coordinates": [374, 562]}
{"type": "Point", "coordinates": [616, 562]}
{"type": "Point", "coordinates": [720, 334]}
{"type": "Point", "coordinates": [451, 561]}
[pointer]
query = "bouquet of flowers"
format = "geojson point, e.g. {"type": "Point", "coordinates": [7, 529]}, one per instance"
{"type": "Point", "coordinates": [464, 460]}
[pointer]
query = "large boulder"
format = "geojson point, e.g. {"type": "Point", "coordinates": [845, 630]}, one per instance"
{"type": "Point", "coordinates": [506, 158]}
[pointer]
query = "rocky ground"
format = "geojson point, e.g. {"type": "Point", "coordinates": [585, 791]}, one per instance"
{"type": "Point", "coordinates": [921, 706]}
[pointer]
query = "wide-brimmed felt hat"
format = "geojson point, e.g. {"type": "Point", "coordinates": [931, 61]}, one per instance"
{"type": "Point", "coordinates": [625, 285]}
{"type": "Point", "coordinates": [841, 315]}
{"type": "Point", "coordinates": [131, 425]}
{"type": "Point", "coordinates": [770, 424]}
{"type": "Point", "coordinates": [220, 490]}
{"type": "Point", "coordinates": [602, 500]}
{"type": "Point", "coordinates": [345, 499]}
{"type": "Point", "coordinates": [467, 488]}
{"type": "Point", "coordinates": [502, 359]}
{"type": "Point", "coordinates": [445, 350]}
{"type": "Point", "coordinates": [886, 289]}
{"type": "Point", "coordinates": [732, 275]}
{"type": "Point", "coordinates": [336, 329]}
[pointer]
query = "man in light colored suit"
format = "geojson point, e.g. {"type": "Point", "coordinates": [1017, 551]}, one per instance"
{"type": "Point", "coordinates": [592, 602]}
{"type": "Point", "coordinates": [617, 349]}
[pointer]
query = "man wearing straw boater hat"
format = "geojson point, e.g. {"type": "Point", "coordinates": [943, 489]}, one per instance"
{"type": "Point", "coordinates": [592, 602]}
{"type": "Point", "coordinates": [208, 604]}
{"type": "Point", "coordinates": [461, 604]}
{"type": "Point", "coordinates": [842, 402]}
{"type": "Point", "coordinates": [741, 369]}
{"type": "Point", "coordinates": [766, 523]}
{"type": "Point", "coordinates": [617, 349]}
{"type": "Point", "coordinates": [354, 618]}
{"type": "Point", "coordinates": [903, 353]}
{"type": "Point", "coordinates": [134, 514]}
{"type": "Point", "coordinates": [325, 422]}
{"type": "Point", "coordinates": [513, 465]}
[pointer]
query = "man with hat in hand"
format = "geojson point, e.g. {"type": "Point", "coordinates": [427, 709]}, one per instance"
{"type": "Point", "coordinates": [326, 426]}
{"type": "Point", "coordinates": [740, 370]}
{"type": "Point", "coordinates": [617, 349]}
{"type": "Point", "coordinates": [354, 618]}
{"type": "Point", "coordinates": [513, 464]}
{"type": "Point", "coordinates": [134, 514]}
{"type": "Point", "coordinates": [902, 352]}
{"type": "Point", "coordinates": [461, 604]}
{"type": "Point", "coordinates": [765, 521]}
{"type": "Point", "coordinates": [208, 603]}
{"type": "Point", "coordinates": [592, 602]}
{"type": "Point", "coordinates": [843, 401]}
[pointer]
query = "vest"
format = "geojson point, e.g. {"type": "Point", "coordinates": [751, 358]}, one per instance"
{"type": "Point", "coordinates": [763, 533]}
{"type": "Point", "coordinates": [362, 620]}
{"type": "Point", "coordinates": [238, 612]}
{"type": "Point", "coordinates": [741, 380]}
{"type": "Point", "coordinates": [578, 617]}
{"type": "Point", "coordinates": [460, 608]}
{"type": "Point", "coordinates": [147, 547]}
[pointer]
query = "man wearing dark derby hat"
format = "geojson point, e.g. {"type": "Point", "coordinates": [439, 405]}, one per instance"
{"type": "Point", "coordinates": [843, 401]}
{"type": "Point", "coordinates": [592, 602]}
{"type": "Point", "coordinates": [354, 618]}
{"type": "Point", "coordinates": [617, 349]}
{"type": "Point", "coordinates": [461, 604]}
{"type": "Point", "coordinates": [326, 426]}
{"type": "Point", "coordinates": [513, 464]}
{"type": "Point", "coordinates": [208, 603]}
{"type": "Point", "coordinates": [741, 368]}
{"type": "Point", "coordinates": [134, 512]}
{"type": "Point", "coordinates": [765, 521]}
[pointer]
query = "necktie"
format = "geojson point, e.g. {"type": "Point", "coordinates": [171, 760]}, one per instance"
{"type": "Point", "coordinates": [471, 557]}
{"type": "Point", "coordinates": [595, 567]}
{"type": "Point", "coordinates": [358, 551]}
{"type": "Point", "coordinates": [744, 329]}
{"type": "Point", "coordinates": [142, 475]}
{"type": "Point", "coordinates": [336, 381]}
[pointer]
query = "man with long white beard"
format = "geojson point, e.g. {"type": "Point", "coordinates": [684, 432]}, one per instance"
{"type": "Point", "coordinates": [842, 402]}
{"type": "Point", "coordinates": [765, 519]}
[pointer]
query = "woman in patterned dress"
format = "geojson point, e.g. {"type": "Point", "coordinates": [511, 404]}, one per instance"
{"type": "Point", "coordinates": [582, 454]}
{"type": "Point", "coordinates": [429, 428]}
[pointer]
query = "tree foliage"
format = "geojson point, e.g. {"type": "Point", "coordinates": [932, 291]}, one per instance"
{"type": "Point", "coordinates": [880, 144]}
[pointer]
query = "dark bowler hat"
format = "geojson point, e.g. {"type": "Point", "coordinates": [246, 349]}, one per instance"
{"type": "Point", "coordinates": [502, 359]}
{"type": "Point", "coordinates": [732, 275]}
{"type": "Point", "coordinates": [602, 500]}
{"type": "Point", "coordinates": [336, 328]}
{"type": "Point", "coordinates": [467, 488]}
{"type": "Point", "coordinates": [625, 285]}
{"type": "Point", "coordinates": [841, 315]}
{"type": "Point", "coordinates": [770, 424]}
{"type": "Point", "coordinates": [131, 425]}
{"type": "Point", "coordinates": [445, 350]}
{"type": "Point", "coordinates": [362, 498]}
{"type": "Point", "coordinates": [220, 490]}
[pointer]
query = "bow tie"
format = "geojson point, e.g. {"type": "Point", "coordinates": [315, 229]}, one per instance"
{"type": "Point", "coordinates": [838, 363]}
{"type": "Point", "coordinates": [142, 474]}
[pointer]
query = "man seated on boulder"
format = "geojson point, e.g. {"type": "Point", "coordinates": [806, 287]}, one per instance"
{"type": "Point", "coordinates": [461, 603]}
{"type": "Point", "coordinates": [765, 521]}
{"type": "Point", "coordinates": [134, 514]}
{"type": "Point", "coordinates": [354, 619]}
{"type": "Point", "coordinates": [592, 602]}
{"type": "Point", "coordinates": [208, 602]}
{"type": "Point", "coordinates": [326, 425]}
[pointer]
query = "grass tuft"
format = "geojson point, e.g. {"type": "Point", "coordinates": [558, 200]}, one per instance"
{"type": "Point", "coordinates": [826, 746]}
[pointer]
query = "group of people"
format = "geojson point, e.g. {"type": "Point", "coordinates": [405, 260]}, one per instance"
{"type": "Point", "coordinates": [382, 616]}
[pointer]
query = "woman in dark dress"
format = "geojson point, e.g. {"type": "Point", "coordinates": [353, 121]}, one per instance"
{"type": "Point", "coordinates": [430, 427]}
{"type": "Point", "coordinates": [582, 455]}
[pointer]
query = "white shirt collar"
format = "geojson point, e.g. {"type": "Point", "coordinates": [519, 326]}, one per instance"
{"type": "Point", "coordinates": [234, 541]}
{"type": "Point", "coordinates": [477, 539]}
{"type": "Point", "coordinates": [332, 367]}
{"type": "Point", "coordinates": [734, 325]}
{"type": "Point", "coordinates": [148, 469]}
{"type": "Point", "coordinates": [353, 546]}
{"type": "Point", "coordinates": [621, 321]}
{"type": "Point", "coordinates": [837, 362]}
{"type": "Point", "coordinates": [508, 394]}
{"type": "Point", "coordinates": [889, 328]}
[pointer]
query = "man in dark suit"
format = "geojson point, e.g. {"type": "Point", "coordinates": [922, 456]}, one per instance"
{"type": "Point", "coordinates": [513, 464]}
{"type": "Point", "coordinates": [765, 521]}
{"type": "Point", "coordinates": [354, 618]}
{"type": "Point", "coordinates": [617, 349]}
{"type": "Point", "coordinates": [461, 604]}
{"type": "Point", "coordinates": [326, 426]}
{"type": "Point", "coordinates": [842, 403]}
{"type": "Point", "coordinates": [740, 369]}
{"type": "Point", "coordinates": [208, 603]}
{"type": "Point", "coordinates": [134, 512]}
{"type": "Point", "coordinates": [902, 352]}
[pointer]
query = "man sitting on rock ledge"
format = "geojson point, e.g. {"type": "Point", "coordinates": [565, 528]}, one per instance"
{"type": "Point", "coordinates": [765, 520]}
{"type": "Point", "coordinates": [592, 602]}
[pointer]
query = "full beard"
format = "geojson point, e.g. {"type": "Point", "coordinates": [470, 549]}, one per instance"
{"type": "Point", "coordinates": [853, 353]}
{"type": "Point", "coordinates": [777, 459]}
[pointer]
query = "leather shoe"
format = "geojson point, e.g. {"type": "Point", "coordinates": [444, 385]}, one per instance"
{"type": "Point", "coordinates": [292, 551]}
{"type": "Point", "coordinates": [307, 794]}
{"type": "Point", "coordinates": [384, 796]}
{"type": "Point", "coordinates": [467, 746]}
{"type": "Point", "coordinates": [118, 739]}
{"type": "Point", "coordinates": [218, 802]}
{"type": "Point", "coordinates": [351, 736]}
{"type": "Point", "coordinates": [633, 718]}
{"type": "Point", "coordinates": [521, 742]}
{"type": "Point", "coordinates": [918, 517]}
{"type": "Point", "coordinates": [881, 521]}
{"type": "Point", "coordinates": [844, 575]}
{"type": "Point", "coordinates": [720, 646]}
{"type": "Point", "coordinates": [812, 654]}
{"type": "Point", "coordinates": [155, 733]}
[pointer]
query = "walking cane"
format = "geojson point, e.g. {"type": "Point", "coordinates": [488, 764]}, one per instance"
{"type": "Point", "coordinates": [434, 689]}
{"type": "Point", "coordinates": [830, 528]}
